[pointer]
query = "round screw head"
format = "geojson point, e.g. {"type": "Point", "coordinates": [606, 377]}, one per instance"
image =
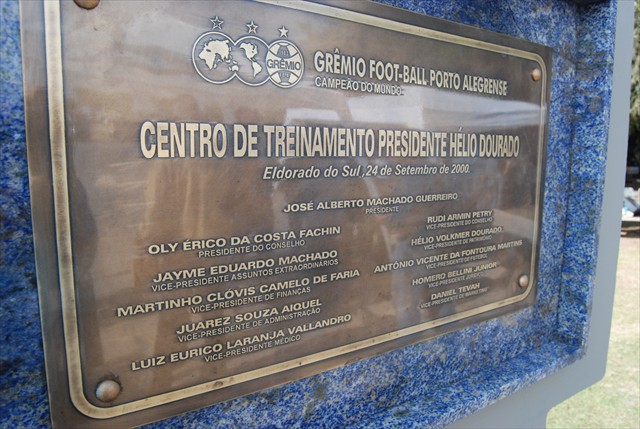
{"type": "Point", "coordinates": [523, 281]}
{"type": "Point", "coordinates": [87, 4]}
{"type": "Point", "coordinates": [108, 390]}
{"type": "Point", "coordinates": [536, 74]}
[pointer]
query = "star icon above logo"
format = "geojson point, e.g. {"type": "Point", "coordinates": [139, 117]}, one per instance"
{"type": "Point", "coordinates": [283, 32]}
{"type": "Point", "coordinates": [217, 22]}
{"type": "Point", "coordinates": [252, 27]}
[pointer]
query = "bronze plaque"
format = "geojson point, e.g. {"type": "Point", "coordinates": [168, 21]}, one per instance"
{"type": "Point", "coordinates": [247, 193]}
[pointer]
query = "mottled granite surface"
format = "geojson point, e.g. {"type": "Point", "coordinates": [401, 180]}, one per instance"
{"type": "Point", "coordinates": [23, 391]}
{"type": "Point", "coordinates": [426, 385]}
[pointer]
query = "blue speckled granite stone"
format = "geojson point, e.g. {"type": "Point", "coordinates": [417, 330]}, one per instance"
{"type": "Point", "coordinates": [23, 391]}
{"type": "Point", "coordinates": [430, 384]}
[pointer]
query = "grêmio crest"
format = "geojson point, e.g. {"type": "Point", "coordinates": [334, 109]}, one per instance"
{"type": "Point", "coordinates": [219, 59]}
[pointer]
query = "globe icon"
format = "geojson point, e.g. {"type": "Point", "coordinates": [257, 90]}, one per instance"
{"type": "Point", "coordinates": [212, 57]}
{"type": "Point", "coordinates": [285, 64]}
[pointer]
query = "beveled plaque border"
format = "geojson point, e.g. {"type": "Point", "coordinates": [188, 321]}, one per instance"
{"type": "Point", "coordinates": [55, 94]}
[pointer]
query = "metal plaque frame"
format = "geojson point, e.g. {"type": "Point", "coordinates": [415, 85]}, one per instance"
{"type": "Point", "coordinates": [54, 236]}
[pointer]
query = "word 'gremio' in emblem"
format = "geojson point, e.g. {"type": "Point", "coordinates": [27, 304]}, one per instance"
{"type": "Point", "coordinates": [218, 58]}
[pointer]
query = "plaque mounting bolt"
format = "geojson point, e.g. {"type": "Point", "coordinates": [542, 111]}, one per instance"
{"type": "Point", "coordinates": [108, 390]}
{"type": "Point", "coordinates": [523, 281]}
{"type": "Point", "coordinates": [536, 74]}
{"type": "Point", "coordinates": [87, 4]}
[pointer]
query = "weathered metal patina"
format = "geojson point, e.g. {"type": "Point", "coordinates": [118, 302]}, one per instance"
{"type": "Point", "coordinates": [246, 193]}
